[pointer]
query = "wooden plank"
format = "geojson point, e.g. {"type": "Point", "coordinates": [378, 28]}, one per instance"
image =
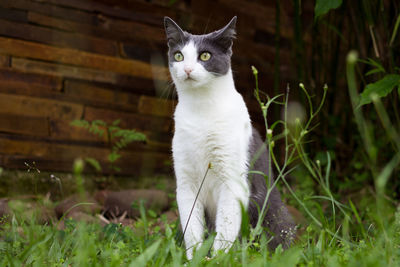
{"type": "Point", "coordinates": [13, 15]}
{"type": "Point", "coordinates": [159, 141]}
{"type": "Point", "coordinates": [156, 106]}
{"type": "Point", "coordinates": [52, 10]}
{"type": "Point", "coordinates": [79, 58]}
{"type": "Point", "coordinates": [50, 164]}
{"type": "Point", "coordinates": [28, 125]}
{"type": "Point", "coordinates": [4, 61]}
{"type": "Point", "coordinates": [28, 89]}
{"type": "Point", "coordinates": [129, 120]}
{"type": "Point", "coordinates": [72, 26]}
{"type": "Point", "coordinates": [53, 37]}
{"type": "Point", "coordinates": [58, 23]}
{"type": "Point", "coordinates": [76, 92]}
{"type": "Point", "coordinates": [135, 51]}
{"type": "Point", "coordinates": [139, 30]}
{"type": "Point", "coordinates": [100, 96]}
{"type": "Point", "coordinates": [135, 46]}
{"type": "Point", "coordinates": [45, 153]}
{"type": "Point", "coordinates": [63, 70]}
{"type": "Point", "coordinates": [24, 105]}
{"type": "Point", "coordinates": [96, 24]}
{"type": "Point", "coordinates": [138, 51]}
{"type": "Point", "coordinates": [106, 27]}
{"type": "Point", "coordinates": [62, 131]}
{"type": "Point", "coordinates": [143, 165]}
{"type": "Point", "coordinates": [13, 75]}
{"type": "Point", "coordinates": [139, 85]}
{"type": "Point", "coordinates": [142, 7]}
{"type": "Point", "coordinates": [110, 10]}
{"type": "Point", "coordinates": [36, 148]}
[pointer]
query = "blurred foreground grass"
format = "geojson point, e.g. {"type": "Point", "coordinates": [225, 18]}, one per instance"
{"type": "Point", "coordinates": [146, 243]}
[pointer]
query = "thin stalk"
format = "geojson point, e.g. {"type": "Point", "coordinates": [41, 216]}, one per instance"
{"type": "Point", "coordinates": [359, 118]}
{"type": "Point", "coordinates": [194, 203]}
{"type": "Point", "coordinates": [366, 138]}
{"type": "Point", "coordinates": [390, 130]}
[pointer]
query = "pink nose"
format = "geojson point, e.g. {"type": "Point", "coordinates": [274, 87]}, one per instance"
{"type": "Point", "coordinates": [188, 70]}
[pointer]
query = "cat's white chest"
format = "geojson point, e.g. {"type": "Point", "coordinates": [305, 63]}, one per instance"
{"type": "Point", "coordinates": [212, 134]}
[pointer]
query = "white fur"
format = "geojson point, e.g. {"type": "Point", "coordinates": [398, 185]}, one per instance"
{"type": "Point", "coordinates": [212, 125]}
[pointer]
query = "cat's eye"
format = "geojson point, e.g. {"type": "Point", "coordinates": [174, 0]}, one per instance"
{"type": "Point", "coordinates": [178, 56]}
{"type": "Point", "coordinates": [205, 56]}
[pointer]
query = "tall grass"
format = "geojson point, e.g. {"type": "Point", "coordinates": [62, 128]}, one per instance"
{"type": "Point", "coordinates": [337, 233]}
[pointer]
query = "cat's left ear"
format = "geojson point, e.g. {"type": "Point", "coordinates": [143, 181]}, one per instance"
{"type": "Point", "coordinates": [174, 33]}
{"type": "Point", "coordinates": [226, 35]}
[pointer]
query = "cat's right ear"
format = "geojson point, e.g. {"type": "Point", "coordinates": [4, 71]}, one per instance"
{"type": "Point", "coordinates": [174, 33]}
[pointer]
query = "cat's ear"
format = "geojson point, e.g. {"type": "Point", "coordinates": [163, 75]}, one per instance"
{"type": "Point", "coordinates": [174, 33]}
{"type": "Point", "coordinates": [226, 35]}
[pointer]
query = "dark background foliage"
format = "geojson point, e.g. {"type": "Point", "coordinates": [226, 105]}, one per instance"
{"type": "Point", "coordinates": [369, 28]}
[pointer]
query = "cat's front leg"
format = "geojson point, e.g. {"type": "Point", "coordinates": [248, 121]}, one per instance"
{"type": "Point", "coordinates": [229, 217]}
{"type": "Point", "coordinates": [192, 222]}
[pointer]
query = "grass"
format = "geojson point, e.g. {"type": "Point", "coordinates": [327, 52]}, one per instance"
{"type": "Point", "coordinates": [338, 231]}
{"type": "Point", "coordinates": [81, 244]}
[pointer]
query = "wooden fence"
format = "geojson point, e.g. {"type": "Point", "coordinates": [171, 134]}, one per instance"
{"type": "Point", "coordinates": [62, 60]}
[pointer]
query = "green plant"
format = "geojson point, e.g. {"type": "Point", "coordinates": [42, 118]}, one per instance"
{"type": "Point", "coordinates": [337, 234]}
{"type": "Point", "coordinates": [371, 28]}
{"type": "Point", "coordinates": [380, 174]}
{"type": "Point", "coordinates": [117, 139]}
{"type": "Point", "coordinates": [294, 134]}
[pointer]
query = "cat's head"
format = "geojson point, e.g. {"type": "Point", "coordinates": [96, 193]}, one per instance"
{"type": "Point", "coordinates": [196, 60]}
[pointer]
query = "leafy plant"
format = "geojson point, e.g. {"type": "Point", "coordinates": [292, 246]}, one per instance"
{"type": "Point", "coordinates": [117, 139]}
{"type": "Point", "coordinates": [323, 6]}
{"type": "Point", "coordinates": [380, 88]}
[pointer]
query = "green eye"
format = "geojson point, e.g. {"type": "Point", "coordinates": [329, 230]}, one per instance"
{"type": "Point", "coordinates": [205, 56]}
{"type": "Point", "coordinates": [178, 56]}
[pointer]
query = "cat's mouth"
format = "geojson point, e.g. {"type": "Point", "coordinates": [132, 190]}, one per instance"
{"type": "Point", "coordinates": [189, 78]}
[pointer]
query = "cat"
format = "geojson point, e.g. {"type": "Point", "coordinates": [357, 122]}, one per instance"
{"type": "Point", "coordinates": [214, 141]}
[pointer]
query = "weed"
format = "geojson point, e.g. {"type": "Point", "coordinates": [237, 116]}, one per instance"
{"type": "Point", "coordinates": [117, 139]}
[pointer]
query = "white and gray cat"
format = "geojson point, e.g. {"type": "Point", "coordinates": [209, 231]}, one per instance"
{"type": "Point", "coordinates": [212, 126]}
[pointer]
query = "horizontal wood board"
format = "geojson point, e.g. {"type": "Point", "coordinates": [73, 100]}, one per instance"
{"type": "Point", "coordinates": [62, 60]}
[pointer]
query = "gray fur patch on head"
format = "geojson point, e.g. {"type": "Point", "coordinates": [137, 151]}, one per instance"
{"type": "Point", "coordinates": [218, 44]}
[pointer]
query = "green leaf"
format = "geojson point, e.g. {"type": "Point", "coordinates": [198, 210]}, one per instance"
{"type": "Point", "coordinates": [152, 213]}
{"type": "Point", "coordinates": [244, 228]}
{"type": "Point", "coordinates": [112, 157]}
{"type": "Point", "coordinates": [80, 123]}
{"type": "Point", "coordinates": [117, 169]}
{"type": "Point", "coordinates": [94, 163]}
{"type": "Point", "coordinates": [373, 71]}
{"type": "Point", "coordinates": [323, 6]}
{"type": "Point", "coordinates": [396, 28]}
{"type": "Point", "coordinates": [381, 88]}
{"type": "Point", "coordinates": [378, 66]}
{"type": "Point", "coordinates": [99, 122]}
{"type": "Point", "coordinates": [144, 258]}
{"type": "Point", "coordinates": [116, 122]}
{"type": "Point", "coordinates": [398, 91]}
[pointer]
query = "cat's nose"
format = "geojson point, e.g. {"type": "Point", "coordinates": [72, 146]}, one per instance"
{"type": "Point", "coordinates": [188, 70]}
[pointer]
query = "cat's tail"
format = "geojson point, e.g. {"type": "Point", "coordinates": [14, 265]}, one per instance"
{"type": "Point", "coordinates": [278, 222]}
{"type": "Point", "coordinates": [277, 218]}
